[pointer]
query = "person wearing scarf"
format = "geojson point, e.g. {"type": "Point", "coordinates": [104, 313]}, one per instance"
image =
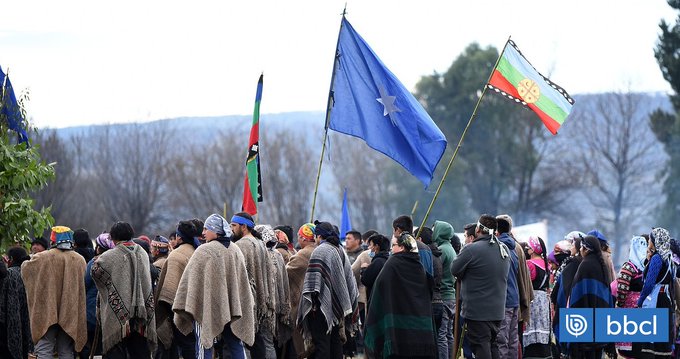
{"type": "Point", "coordinates": [284, 244]}
{"type": "Point", "coordinates": [628, 287]}
{"type": "Point", "coordinates": [249, 241]}
{"type": "Point", "coordinates": [51, 278]}
{"type": "Point", "coordinates": [564, 276]}
{"type": "Point", "coordinates": [126, 311]}
{"type": "Point", "coordinates": [483, 268]}
{"type": "Point", "coordinates": [15, 327]}
{"type": "Point", "coordinates": [103, 244]}
{"type": "Point", "coordinates": [216, 302]}
{"type": "Point", "coordinates": [399, 320]}
{"type": "Point", "coordinates": [168, 282]}
{"type": "Point", "coordinates": [296, 269]}
{"type": "Point", "coordinates": [590, 289]}
{"type": "Point", "coordinates": [280, 325]}
{"type": "Point", "coordinates": [329, 294]}
{"type": "Point", "coordinates": [658, 282]}
{"type": "Point", "coordinates": [536, 337]}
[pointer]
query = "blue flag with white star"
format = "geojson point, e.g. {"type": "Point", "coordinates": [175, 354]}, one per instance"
{"type": "Point", "coordinates": [369, 102]}
{"type": "Point", "coordinates": [10, 108]}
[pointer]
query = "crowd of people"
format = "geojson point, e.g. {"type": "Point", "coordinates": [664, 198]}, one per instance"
{"type": "Point", "coordinates": [234, 289]}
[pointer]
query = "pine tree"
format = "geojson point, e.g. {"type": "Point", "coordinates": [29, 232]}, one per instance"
{"type": "Point", "coordinates": [666, 126]}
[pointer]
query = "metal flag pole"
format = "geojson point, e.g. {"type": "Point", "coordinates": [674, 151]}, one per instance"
{"type": "Point", "coordinates": [329, 106]}
{"type": "Point", "coordinates": [460, 142]}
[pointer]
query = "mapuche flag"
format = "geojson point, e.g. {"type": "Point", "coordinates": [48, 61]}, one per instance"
{"type": "Point", "coordinates": [252, 185]}
{"type": "Point", "coordinates": [515, 78]}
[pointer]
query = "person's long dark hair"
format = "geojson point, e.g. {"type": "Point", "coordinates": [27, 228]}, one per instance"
{"type": "Point", "coordinates": [545, 263]}
{"type": "Point", "coordinates": [593, 242]}
{"type": "Point", "coordinates": [18, 255]}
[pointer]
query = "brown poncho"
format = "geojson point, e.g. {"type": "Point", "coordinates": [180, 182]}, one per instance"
{"type": "Point", "coordinates": [55, 289]}
{"type": "Point", "coordinates": [168, 282]}
{"type": "Point", "coordinates": [123, 280]}
{"type": "Point", "coordinates": [216, 297]}
{"type": "Point", "coordinates": [257, 266]}
{"type": "Point", "coordinates": [296, 269]}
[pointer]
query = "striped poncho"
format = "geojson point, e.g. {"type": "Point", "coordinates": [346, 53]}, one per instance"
{"type": "Point", "coordinates": [329, 286]}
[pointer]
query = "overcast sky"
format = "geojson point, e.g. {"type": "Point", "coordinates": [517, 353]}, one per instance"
{"type": "Point", "coordinates": [97, 62]}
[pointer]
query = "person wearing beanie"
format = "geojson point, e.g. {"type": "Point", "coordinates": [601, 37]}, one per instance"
{"type": "Point", "coordinates": [296, 269]}
{"type": "Point", "coordinates": [82, 244]}
{"type": "Point", "coordinates": [51, 278]}
{"type": "Point", "coordinates": [169, 336]}
{"type": "Point", "coordinates": [249, 241]}
{"type": "Point", "coordinates": [160, 247]}
{"type": "Point", "coordinates": [39, 244]}
{"type": "Point", "coordinates": [15, 328]}
{"type": "Point", "coordinates": [329, 293]}
{"type": "Point", "coordinates": [217, 302]}
{"type": "Point", "coordinates": [606, 254]}
{"type": "Point", "coordinates": [123, 279]}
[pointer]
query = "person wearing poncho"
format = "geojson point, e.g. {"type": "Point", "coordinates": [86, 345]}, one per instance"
{"type": "Point", "coordinates": [126, 311]}
{"type": "Point", "coordinates": [15, 328]}
{"type": "Point", "coordinates": [296, 269]}
{"type": "Point", "coordinates": [219, 300]}
{"type": "Point", "coordinates": [257, 265]}
{"type": "Point", "coordinates": [399, 320]}
{"type": "Point", "coordinates": [329, 293]}
{"type": "Point", "coordinates": [55, 290]}
{"type": "Point", "coordinates": [590, 289]}
{"type": "Point", "coordinates": [168, 282]}
{"type": "Point", "coordinates": [657, 289]}
{"type": "Point", "coordinates": [279, 290]}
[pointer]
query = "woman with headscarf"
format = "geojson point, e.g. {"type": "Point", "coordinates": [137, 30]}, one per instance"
{"type": "Point", "coordinates": [628, 287]}
{"type": "Point", "coordinates": [399, 322]}
{"type": "Point", "coordinates": [590, 289]}
{"type": "Point", "coordinates": [657, 289]}
{"type": "Point", "coordinates": [537, 334]}
{"type": "Point", "coordinates": [564, 277]}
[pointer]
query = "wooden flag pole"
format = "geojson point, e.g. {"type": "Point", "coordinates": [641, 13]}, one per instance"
{"type": "Point", "coordinates": [460, 142]}
{"type": "Point", "coordinates": [329, 106]}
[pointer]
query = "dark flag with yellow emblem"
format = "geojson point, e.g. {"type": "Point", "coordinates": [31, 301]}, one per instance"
{"type": "Point", "coordinates": [515, 78]}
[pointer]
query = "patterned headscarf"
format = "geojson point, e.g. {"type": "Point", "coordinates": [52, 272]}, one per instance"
{"type": "Point", "coordinates": [216, 223]}
{"type": "Point", "coordinates": [535, 245]}
{"type": "Point", "coordinates": [638, 252]}
{"type": "Point", "coordinates": [564, 246]}
{"type": "Point", "coordinates": [662, 242]}
{"type": "Point", "coordinates": [104, 240]}
{"type": "Point", "coordinates": [267, 233]}
{"type": "Point", "coordinates": [306, 231]}
{"type": "Point", "coordinates": [571, 236]}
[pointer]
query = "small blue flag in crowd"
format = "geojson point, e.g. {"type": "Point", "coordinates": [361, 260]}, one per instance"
{"type": "Point", "coordinates": [345, 222]}
{"type": "Point", "coordinates": [369, 102]}
{"type": "Point", "coordinates": [10, 108]}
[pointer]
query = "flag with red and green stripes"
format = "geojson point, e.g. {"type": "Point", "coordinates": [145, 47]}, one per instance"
{"type": "Point", "coordinates": [515, 78]}
{"type": "Point", "coordinates": [252, 185]}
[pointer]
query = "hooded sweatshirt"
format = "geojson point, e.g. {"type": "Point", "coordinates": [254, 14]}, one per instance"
{"type": "Point", "coordinates": [442, 233]}
{"type": "Point", "coordinates": [512, 295]}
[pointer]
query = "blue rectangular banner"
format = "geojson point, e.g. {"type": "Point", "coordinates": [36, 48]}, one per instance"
{"type": "Point", "coordinates": [631, 325]}
{"type": "Point", "coordinates": [576, 325]}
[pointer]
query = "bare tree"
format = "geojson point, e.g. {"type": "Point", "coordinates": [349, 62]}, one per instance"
{"type": "Point", "coordinates": [130, 166]}
{"type": "Point", "coordinates": [618, 155]}
{"type": "Point", "coordinates": [287, 179]}
{"type": "Point", "coordinates": [204, 178]}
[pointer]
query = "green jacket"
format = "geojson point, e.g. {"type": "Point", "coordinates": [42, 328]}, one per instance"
{"type": "Point", "coordinates": [442, 233]}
